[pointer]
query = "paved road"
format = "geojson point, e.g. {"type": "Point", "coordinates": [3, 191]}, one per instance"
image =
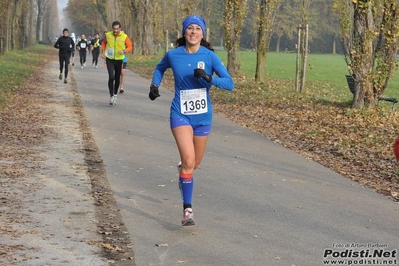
{"type": "Point", "coordinates": [255, 202]}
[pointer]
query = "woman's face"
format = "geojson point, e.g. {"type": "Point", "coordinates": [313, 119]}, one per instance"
{"type": "Point", "coordinates": [193, 34]}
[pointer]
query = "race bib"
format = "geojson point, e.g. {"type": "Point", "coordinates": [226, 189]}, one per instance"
{"type": "Point", "coordinates": [83, 45]}
{"type": "Point", "coordinates": [193, 102]}
{"type": "Point", "coordinates": [110, 52]}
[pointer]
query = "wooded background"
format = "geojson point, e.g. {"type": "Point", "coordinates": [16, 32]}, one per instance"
{"type": "Point", "coordinates": [29, 21]}
{"type": "Point", "coordinates": [364, 31]}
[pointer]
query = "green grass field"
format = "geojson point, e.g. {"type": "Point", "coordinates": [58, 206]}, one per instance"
{"type": "Point", "coordinates": [16, 67]}
{"type": "Point", "coordinates": [325, 73]}
{"type": "Point", "coordinates": [321, 68]}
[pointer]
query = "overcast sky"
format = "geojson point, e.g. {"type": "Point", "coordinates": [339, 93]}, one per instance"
{"type": "Point", "coordinates": [61, 5]}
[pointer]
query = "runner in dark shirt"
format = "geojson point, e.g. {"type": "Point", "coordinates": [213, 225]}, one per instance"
{"type": "Point", "coordinates": [82, 46]}
{"type": "Point", "coordinates": [66, 46]}
{"type": "Point", "coordinates": [95, 44]}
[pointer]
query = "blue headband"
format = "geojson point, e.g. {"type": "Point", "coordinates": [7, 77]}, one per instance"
{"type": "Point", "coordinates": [194, 20]}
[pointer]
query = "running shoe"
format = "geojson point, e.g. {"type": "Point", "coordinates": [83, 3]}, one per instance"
{"type": "Point", "coordinates": [81, 67]}
{"type": "Point", "coordinates": [96, 66]}
{"type": "Point", "coordinates": [115, 99]}
{"type": "Point", "coordinates": [73, 64]}
{"type": "Point", "coordinates": [188, 217]}
{"type": "Point", "coordinates": [111, 100]}
{"type": "Point", "coordinates": [60, 76]}
{"type": "Point", "coordinates": [121, 90]}
{"type": "Point", "coordinates": [65, 81]}
{"type": "Point", "coordinates": [84, 65]}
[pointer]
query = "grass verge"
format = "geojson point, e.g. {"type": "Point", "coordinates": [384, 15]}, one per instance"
{"type": "Point", "coordinates": [16, 67]}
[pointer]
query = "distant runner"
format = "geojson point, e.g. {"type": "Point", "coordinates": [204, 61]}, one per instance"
{"type": "Point", "coordinates": [66, 46]}
{"type": "Point", "coordinates": [116, 43]}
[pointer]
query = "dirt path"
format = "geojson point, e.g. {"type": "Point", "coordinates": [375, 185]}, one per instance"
{"type": "Point", "coordinates": [56, 206]}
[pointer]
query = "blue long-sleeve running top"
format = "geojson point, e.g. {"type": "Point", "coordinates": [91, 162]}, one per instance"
{"type": "Point", "coordinates": [191, 99]}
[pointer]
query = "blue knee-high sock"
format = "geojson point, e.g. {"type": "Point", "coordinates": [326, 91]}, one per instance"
{"type": "Point", "coordinates": [186, 184]}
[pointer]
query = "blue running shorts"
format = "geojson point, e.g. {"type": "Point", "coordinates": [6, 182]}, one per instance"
{"type": "Point", "coordinates": [200, 130]}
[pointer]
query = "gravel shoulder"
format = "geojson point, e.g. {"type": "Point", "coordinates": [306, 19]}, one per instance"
{"type": "Point", "coordinates": [56, 205]}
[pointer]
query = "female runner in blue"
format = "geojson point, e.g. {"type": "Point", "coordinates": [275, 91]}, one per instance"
{"type": "Point", "coordinates": [193, 63]}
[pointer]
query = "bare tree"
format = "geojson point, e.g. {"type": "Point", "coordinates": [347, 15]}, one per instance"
{"type": "Point", "coordinates": [141, 19]}
{"type": "Point", "coordinates": [112, 11]}
{"type": "Point", "coordinates": [18, 30]}
{"type": "Point", "coordinates": [147, 28]}
{"type": "Point", "coordinates": [18, 22]}
{"type": "Point", "coordinates": [39, 19]}
{"type": "Point", "coordinates": [50, 21]}
{"type": "Point", "coordinates": [31, 16]}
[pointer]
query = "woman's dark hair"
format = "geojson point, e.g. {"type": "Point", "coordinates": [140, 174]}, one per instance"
{"type": "Point", "coordinates": [182, 41]}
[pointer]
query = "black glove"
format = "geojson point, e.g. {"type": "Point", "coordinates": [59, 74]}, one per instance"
{"type": "Point", "coordinates": [200, 73]}
{"type": "Point", "coordinates": [154, 92]}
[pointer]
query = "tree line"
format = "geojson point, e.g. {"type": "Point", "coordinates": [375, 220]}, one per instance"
{"type": "Point", "coordinates": [160, 16]}
{"type": "Point", "coordinates": [364, 31]}
{"type": "Point", "coordinates": [23, 23]}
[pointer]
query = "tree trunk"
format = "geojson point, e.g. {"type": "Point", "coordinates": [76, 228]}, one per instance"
{"type": "Point", "coordinates": [32, 19]}
{"type": "Point", "coordinates": [23, 27]}
{"type": "Point", "coordinates": [266, 18]}
{"type": "Point", "coordinates": [278, 44]}
{"type": "Point", "coordinates": [304, 43]}
{"type": "Point", "coordinates": [234, 15]}
{"type": "Point", "coordinates": [112, 11]}
{"type": "Point", "coordinates": [334, 45]}
{"type": "Point", "coordinates": [387, 47]}
{"type": "Point", "coordinates": [370, 44]}
{"type": "Point", "coordinates": [14, 26]}
{"type": "Point", "coordinates": [298, 56]}
{"type": "Point", "coordinates": [305, 51]}
{"type": "Point", "coordinates": [232, 64]}
{"type": "Point", "coordinates": [262, 43]}
{"type": "Point", "coordinates": [363, 60]}
{"type": "Point", "coordinates": [147, 31]}
{"type": "Point", "coordinates": [39, 19]}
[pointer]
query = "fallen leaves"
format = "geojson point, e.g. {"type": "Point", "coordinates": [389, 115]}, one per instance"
{"type": "Point", "coordinates": [110, 247]}
{"type": "Point", "coordinates": [357, 144]}
{"type": "Point", "coordinates": [164, 245]}
{"type": "Point", "coordinates": [26, 127]}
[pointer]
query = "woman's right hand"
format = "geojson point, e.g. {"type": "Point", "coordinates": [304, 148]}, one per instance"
{"type": "Point", "coordinates": [154, 92]}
